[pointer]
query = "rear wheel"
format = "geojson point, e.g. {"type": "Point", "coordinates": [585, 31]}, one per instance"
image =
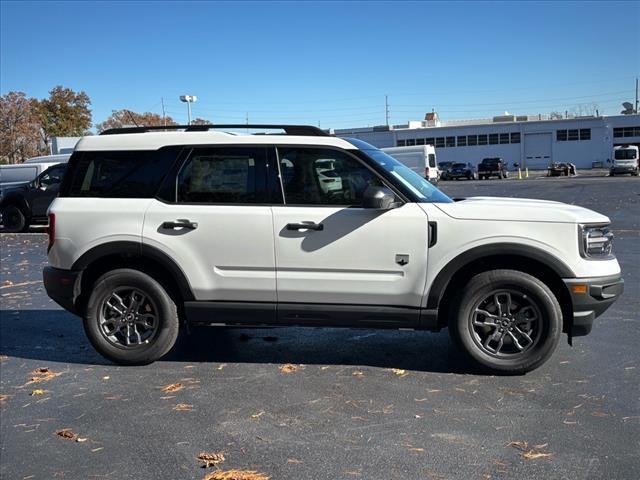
{"type": "Point", "coordinates": [130, 318]}
{"type": "Point", "coordinates": [14, 219]}
{"type": "Point", "coordinates": [507, 322]}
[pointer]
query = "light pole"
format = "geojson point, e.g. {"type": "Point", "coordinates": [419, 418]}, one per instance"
{"type": "Point", "coordinates": [188, 99]}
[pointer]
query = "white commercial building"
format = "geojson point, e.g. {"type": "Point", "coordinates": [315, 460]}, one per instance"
{"type": "Point", "coordinates": [532, 141]}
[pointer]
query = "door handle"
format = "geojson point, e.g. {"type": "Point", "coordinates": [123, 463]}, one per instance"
{"type": "Point", "coordinates": [305, 226]}
{"type": "Point", "coordinates": [180, 224]}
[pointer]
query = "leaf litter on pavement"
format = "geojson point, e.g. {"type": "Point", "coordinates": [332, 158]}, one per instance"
{"type": "Point", "coordinates": [210, 458]}
{"type": "Point", "coordinates": [236, 475]}
{"type": "Point", "coordinates": [533, 453]}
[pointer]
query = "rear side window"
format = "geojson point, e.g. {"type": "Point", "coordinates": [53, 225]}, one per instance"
{"type": "Point", "coordinates": [432, 160]}
{"type": "Point", "coordinates": [223, 175]}
{"type": "Point", "coordinates": [118, 174]}
{"type": "Point", "coordinates": [18, 174]}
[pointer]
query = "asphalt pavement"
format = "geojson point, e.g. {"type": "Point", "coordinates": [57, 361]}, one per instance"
{"type": "Point", "coordinates": [296, 403]}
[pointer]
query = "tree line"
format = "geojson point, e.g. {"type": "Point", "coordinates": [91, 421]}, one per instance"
{"type": "Point", "coordinates": [28, 124]}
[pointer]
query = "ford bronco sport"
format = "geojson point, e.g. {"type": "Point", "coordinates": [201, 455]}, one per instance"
{"type": "Point", "coordinates": [158, 227]}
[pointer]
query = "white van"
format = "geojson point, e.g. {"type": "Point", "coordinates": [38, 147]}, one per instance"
{"type": "Point", "coordinates": [25, 172]}
{"type": "Point", "coordinates": [420, 158]}
{"type": "Point", "coordinates": [625, 160]}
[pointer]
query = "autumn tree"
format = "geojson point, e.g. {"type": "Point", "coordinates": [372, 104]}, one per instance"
{"type": "Point", "coordinates": [19, 128]}
{"type": "Point", "coordinates": [200, 121]}
{"type": "Point", "coordinates": [127, 118]}
{"type": "Point", "coordinates": [64, 114]}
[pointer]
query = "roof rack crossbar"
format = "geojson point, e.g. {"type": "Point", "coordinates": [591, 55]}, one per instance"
{"type": "Point", "coordinates": [305, 130]}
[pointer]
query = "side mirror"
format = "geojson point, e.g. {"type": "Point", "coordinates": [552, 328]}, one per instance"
{"type": "Point", "coordinates": [380, 198]}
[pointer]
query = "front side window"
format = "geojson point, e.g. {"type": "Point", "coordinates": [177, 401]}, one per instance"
{"type": "Point", "coordinates": [52, 176]}
{"type": "Point", "coordinates": [223, 175]}
{"type": "Point", "coordinates": [318, 176]}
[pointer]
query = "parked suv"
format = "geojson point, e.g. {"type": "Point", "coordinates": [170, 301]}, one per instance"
{"type": "Point", "coordinates": [26, 203]}
{"type": "Point", "coordinates": [490, 167]}
{"type": "Point", "coordinates": [154, 229]}
{"type": "Point", "coordinates": [462, 170]}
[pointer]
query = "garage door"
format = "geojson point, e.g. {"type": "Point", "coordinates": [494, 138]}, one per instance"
{"type": "Point", "coordinates": [537, 150]}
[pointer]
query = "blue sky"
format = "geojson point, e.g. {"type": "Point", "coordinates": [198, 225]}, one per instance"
{"type": "Point", "coordinates": [327, 62]}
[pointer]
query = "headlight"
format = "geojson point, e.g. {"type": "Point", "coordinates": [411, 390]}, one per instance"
{"type": "Point", "coordinates": [596, 241]}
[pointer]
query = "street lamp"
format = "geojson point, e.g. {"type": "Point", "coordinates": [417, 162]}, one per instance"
{"type": "Point", "coordinates": [188, 99]}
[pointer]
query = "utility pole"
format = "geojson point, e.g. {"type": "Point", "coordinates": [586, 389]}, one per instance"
{"type": "Point", "coordinates": [636, 94]}
{"type": "Point", "coordinates": [164, 118]}
{"type": "Point", "coordinates": [386, 109]}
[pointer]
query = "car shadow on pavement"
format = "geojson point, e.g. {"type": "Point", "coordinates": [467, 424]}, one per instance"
{"type": "Point", "coordinates": [57, 336]}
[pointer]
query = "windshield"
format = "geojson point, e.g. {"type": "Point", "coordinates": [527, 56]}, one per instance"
{"type": "Point", "coordinates": [459, 165]}
{"type": "Point", "coordinates": [420, 187]}
{"type": "Point", "coordinates": [629, 154]}
{"type": "Point", "coordinates": [490, 161]}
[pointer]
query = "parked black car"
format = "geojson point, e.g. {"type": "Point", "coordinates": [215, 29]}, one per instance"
{"type": "Point", "coordinates": [492, 167]}
{"type": "Point", "coordinates": [462, 170]}
{"type": "Point", "coordinates": [444, 168]}
{"type": "Point", "coordinates": [27, 203]}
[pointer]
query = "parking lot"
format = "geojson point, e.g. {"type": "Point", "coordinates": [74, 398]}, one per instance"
{"type": "Point", "coordinates": [322, 403]}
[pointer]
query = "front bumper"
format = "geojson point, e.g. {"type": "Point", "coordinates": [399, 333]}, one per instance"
{"type": "Point", "coordinates": [624, 169]}
{"type": "Point", "coordinates": [63, 287]}
{"type": "Point", "coordinates": [591, 297]}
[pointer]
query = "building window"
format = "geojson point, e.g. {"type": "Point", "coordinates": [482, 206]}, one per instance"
{"type": "Point", "coordinates": [419, 141]}
{"type": "Point", "coordinates": [429, 141]}
{"type": "Point", "coordinates": [401, 143]}
{"type": "Point", "coordinates": [504, 138]}
{"type": "Point", "coordinates": [585, 134]}
{"type": "Point", "coordinates": [482, 139]}
{"type": "Point", "coordinates": [636, 131]}
{"type": "Point", "coordinates": [515, 137]}
{"type": "Point", "coordinates": [629, 131]}
{"type": "Point", "coordinates": [561, 135]}
{"type": "Point", "coordinates": [462, 141]}
{"type": "Point", "coordinates": [411, 142]}
{"type": "Point", "coordinates": [493, 139]}
{"type": "Point", "coordinates": [572, 134]}
{"type": "Point", "coordinates": [618, 132]}
{"type": "Point", "coordinates": [451, 141]}
{"type": "Point", "coordinates": [440, 142]}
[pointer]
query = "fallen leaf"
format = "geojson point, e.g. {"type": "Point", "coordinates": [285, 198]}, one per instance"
{"type": "Point", "coordinates": [4, 397]}
{"type": "Point", "coordinates": [400, 372]}
{"type": "Point", "coordinates": [221, 366]}
{"type": "Point", "coordinates": [37, 391]}
{"type": "Point", "coordinates": [106, 377]}
{"type": "Point", "coordinates": [520, 445]}
{"type": "Point", "coordinates": [236, 475]}
{"type": "Point", "coordinates": [97, 449]}
{"type": "Point", "coordinates": [599, 414]}
{"type": "Point", "coordinates": [3, 358]}
{"type": "Point", "coordinates": [81, 440]}
{"type": "Point", "coordinates": [416, 449]}
{"type": "Point", "coordinates": [183, 407]}
{"type": "Point", "coordinates": [7, 283]}
{"type": "Point", "coordinates": [42, 375]}
{"type": "Point", "coordinates": [67, 434]}
{"type": "Point", "coordinates": [172, 388]}
{"type": "Point", "coordinates": [257, 415]}
{"type": "Point", "coordinates": [357, 373]}
{"type": "Point", "coordinates": [533, 455]}
{"type": "Point", "coordinates": [210, 459]}
{"type": "Point", "coordinates": [293, 460]}
{"type": "Point", "coordinates": [290, 368]}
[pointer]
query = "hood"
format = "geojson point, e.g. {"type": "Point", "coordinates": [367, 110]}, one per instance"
{"type": "Point", "coordinates": [519, 209]}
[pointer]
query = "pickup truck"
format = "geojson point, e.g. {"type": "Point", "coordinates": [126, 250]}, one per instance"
{"type": "Point", "coordinates": [489, 167]}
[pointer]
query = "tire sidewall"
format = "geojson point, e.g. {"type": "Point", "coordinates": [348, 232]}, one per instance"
{"type": "Point", "coordinates": [480, 287]}
{"type": "Point", "coordinates": [167, 314]}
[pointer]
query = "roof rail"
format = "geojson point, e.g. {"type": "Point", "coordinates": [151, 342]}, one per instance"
{"type": "Point", "coordinates": [307, 130]}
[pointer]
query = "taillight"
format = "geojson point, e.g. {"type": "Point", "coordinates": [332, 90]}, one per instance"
{"type": "Point", "coordinates": [51, 230]}
{"type": "Point", "coordinates": [426, 172]}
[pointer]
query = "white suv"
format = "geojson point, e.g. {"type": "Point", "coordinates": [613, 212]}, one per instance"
{"type": "Point", "coordinates": [158, 227]}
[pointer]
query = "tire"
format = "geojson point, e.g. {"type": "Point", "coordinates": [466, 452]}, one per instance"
{"type": "Point", "coordinates": [160, 327]}
{"type": "Point", "coordinates": [530, 299]}
{"type": "Point", "coordinates": [14, 219]}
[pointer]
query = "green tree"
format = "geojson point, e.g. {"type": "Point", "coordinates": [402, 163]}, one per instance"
{"type": "Point", "coordinates": [19, 129]}
{"type": "Point", "coordinates": [64, 114]}
{"type": "Point", "coordinates": [127, 118]}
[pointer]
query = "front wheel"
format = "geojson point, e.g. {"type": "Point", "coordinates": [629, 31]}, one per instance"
{"type": "Point", "coordinates": [130, 318]}
{"type": "Point", "coordinates": [507, 322]}
{"type": "Point", "coordinates": [14, 219]}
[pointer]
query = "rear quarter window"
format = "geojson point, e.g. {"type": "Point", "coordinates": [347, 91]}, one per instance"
{"type": "Point", "coordinates": [118, 174]}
